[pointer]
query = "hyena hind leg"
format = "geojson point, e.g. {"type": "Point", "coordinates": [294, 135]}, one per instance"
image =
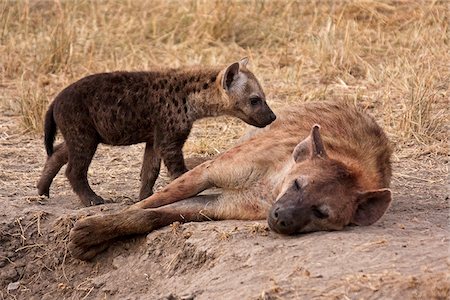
{"type": "Point", "coordinates": [80, 157]}
{"type": "Point", "coordinates": [52, 166]}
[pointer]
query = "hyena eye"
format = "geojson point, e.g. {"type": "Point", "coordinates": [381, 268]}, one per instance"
{"type": "Point", "coordinates": [318, 213]}
{"type": "Point", "coordinates": [255, 101]}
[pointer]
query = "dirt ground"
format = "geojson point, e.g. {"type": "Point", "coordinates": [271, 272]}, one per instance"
{"type": "Point", "coordinates": [403, 256]}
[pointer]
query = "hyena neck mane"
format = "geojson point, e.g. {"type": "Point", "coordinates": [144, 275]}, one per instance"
{"type": "Point", "coordinates": [203, 92]}
{"type": "Point", "coordinates": [367, 160]}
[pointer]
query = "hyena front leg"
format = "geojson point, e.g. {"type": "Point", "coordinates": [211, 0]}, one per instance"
{"type": "Point", "coordinates": [92, 235]}
{"type": "Point", "coordinates": [187, 185]}
{"type": "Point", "coordinates": [170, 149]}
{"type": "Point", "coordinates": [150, 171]}
{"type": "Point", "coordinates": [221, 172]}
{"type": "Point", "coordinates": [151, 167]}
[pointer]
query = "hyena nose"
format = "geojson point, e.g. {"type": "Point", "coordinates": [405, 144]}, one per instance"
{"type": "Point", "coordinates": [274, 214]}
{"type": "Point", "coordinates": [280, 220]}
{"type": "Point", "coordinates": [273, 117]}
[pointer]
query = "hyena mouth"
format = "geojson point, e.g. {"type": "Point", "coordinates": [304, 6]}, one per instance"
{"type": "Point", "coordinates": [257, 123]}
{"type": "Point", "coordinates": [281, 228]}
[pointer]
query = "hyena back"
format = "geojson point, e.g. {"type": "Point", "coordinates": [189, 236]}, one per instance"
{"type": "Point", "coordinates": [338, 174]}
{"type": "Point", "coordinates": [157, 108]}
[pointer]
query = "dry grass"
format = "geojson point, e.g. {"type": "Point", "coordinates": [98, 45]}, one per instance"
{"type": "Point", "coordinates": [390, 56]}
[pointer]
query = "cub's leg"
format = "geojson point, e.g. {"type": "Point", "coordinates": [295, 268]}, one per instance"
{"type": "Point", "coordinates": [170, 149]}
{"type": "Point", "coordinates": [81, 151]}
{"type": "Point", "coordinates": [150, 171]}
{"type": "Point", "coordinates": [52, 166]}
{"type": "Point", "coordinates": [92, 235]}
{"type": "Point", "coordinates": [151, 167]}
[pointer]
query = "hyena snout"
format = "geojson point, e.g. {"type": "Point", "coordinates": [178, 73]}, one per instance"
{"type": "Point", "coordinates": [286, 220]}
{"type": "Point", "coordinates": [262, 115]}
{"type": "Point", "coordinates": [271, 117]}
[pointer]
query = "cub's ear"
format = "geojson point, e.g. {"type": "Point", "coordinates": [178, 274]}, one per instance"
{"type": "Point", "coordinates": [371, 206]}
{"type": "Point", "coordinates": [230, 74]}
{"type": "Point", "coordinates": [243, 62]}
{"type": "Point", "coordinates": [310, 147]}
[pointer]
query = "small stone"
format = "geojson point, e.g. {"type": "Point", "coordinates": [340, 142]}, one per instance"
{"type": "Point", "coordinates": [13, 286]}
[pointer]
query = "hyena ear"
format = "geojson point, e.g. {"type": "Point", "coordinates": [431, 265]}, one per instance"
{"type": "Point", "coordinates": [302, 150]}
{"type": "Point", "coordinates": [318, 149]}
{"type": "Point", "coordinates": [371, 206]}
{"type": "Point", "coordinates": [310, 147]}
{"type": "Point", "coordinates": [229, 75]}
{"type": "Point", "coordinates": [243, 62]}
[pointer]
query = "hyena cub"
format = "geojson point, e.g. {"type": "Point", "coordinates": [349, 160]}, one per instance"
{"type": "Point", "coordinates": [156, 107]}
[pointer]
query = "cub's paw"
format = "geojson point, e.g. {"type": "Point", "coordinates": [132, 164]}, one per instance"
{"type": "Point", "coordinates": [90, 236]}
{"type": "Point", "coordinates": [43, 190]}
{"type": "Point", "coordinates": [92, 200]}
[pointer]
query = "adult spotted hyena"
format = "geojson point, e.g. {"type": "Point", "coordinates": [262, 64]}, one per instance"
{"type": "Point", "coordinates": [301, 176]}
{"type": "Point", "coordinates": [156, 107]}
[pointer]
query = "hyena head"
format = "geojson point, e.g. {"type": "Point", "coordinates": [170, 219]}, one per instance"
{"type": "Point", "coordinates": [321, 193]}
{"type": "Point", "coordinates": [244, 95]}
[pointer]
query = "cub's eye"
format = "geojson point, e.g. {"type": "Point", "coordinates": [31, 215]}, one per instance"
{"type": "Point", "coordinates": [297, 185]}
{"type": "Point", "coordinates": [318, 213]}
{"type": "Point", "coordinates": [255, 101]}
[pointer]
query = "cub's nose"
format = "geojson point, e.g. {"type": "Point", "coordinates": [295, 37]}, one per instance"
{"type": "Point", "coordinates": [273, 117]}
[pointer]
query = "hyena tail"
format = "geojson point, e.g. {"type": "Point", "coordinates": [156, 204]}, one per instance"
{"type": "Point", "coordinates": [49, 130]}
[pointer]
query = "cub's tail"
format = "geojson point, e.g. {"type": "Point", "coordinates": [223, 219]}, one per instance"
{"type": "Point", "coordinates": [49, 130]}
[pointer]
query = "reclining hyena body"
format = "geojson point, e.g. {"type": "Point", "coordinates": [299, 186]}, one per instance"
{"type": "Point", "coordinates": [158, 108]}
{"type": "Point", "coordinates": [330, 179]}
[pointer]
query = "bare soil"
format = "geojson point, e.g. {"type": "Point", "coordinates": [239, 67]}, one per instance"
{"type": "Point", "coordinates": [403, 256]}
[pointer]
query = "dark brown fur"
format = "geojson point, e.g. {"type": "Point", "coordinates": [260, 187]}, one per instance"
{"type": "Point", "coordinates": [337, 175]}
{"type": "Point", "coordinates": [157, 108]}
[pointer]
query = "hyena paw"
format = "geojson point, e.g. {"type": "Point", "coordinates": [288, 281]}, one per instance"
{"type": "Point", "coordinates": [89, 237]}
{"type": "Point", "coordinates": [92, 200]}
{"type": "Point", "coordinates": [43, 190]}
